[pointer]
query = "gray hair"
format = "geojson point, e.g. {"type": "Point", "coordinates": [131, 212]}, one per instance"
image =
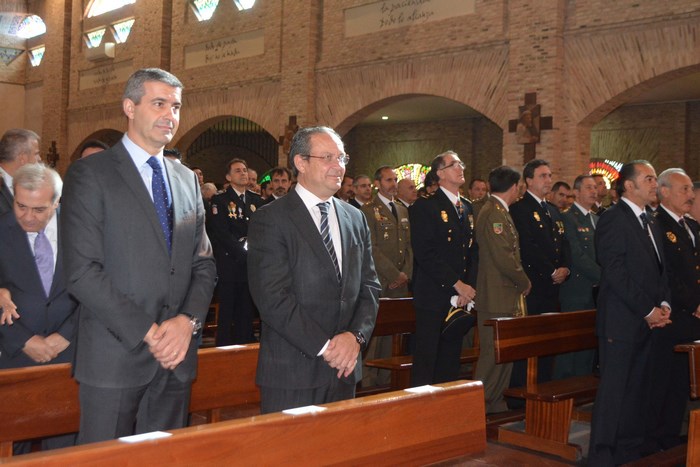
{"type": "Point", "coordinates": [14, 142]}
{"type": "Point", "coordinates": [134, 89]}
{"type": "Point", "coordinates": [357, 179]}
{"type": "Point", "coordinates": [664, 179]}
{"type": "Point", "coordinates": [301, 143]}
{"type": "Point", "coordinates": [33, 177]}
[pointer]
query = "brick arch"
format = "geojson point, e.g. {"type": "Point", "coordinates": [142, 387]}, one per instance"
{"type": "Point", "coordinates": [606, 70]}
{"type": "Point", "coordinates": [475, 78]}
{"type": "Point", "coordinates": [110, 136]}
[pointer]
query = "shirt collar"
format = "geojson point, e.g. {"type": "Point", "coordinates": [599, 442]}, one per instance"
{"type": "Point", "coordinates": [539, 200]}
{"type": "Point", "coordinates": [583, 210]}
{"type": "Point", "coordinates": [635, 209]}
{"type": "Point", "coordinates": [384, 199]}
{"type": "Point", "coordinates": [311, 200]}
{"type": "Point", "coordinates": [451, 196]}
{"type": "Point", "coordinates": [672, 214]}
{"type": "Point", "coordinates": [8, 180]}
{"type": "Point", "coordinates": [139, 155]}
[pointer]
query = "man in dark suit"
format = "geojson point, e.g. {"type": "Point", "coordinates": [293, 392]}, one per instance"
{"type": "Point", "coordinates": [632, 303]}
{"type": "Point", "coordinates": [577, 292]}
{"type": "Point", "coordinates": [545, 254]}
{"type": "Point", "coordinates": [445, 266]}
{"type": "Point", "coordinates": [280, 181]}
{"type": "Point", "coordinates": [681, 247]}
{"type": "Point", "coordinates": [312, 278]}
{"type": "Point", "coordinates": [140, 264]}
{"type": "Point", "coordinates": [17, 148]}
{"type": "Point", "coordinates": [31, 271]}
{"type": "Point", "coordinates": [362, 187]}
{"type": "Point", "coordinates": [228, 229]}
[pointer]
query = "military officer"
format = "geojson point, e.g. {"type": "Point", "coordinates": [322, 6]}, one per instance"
{"type": "Point", "coordinates": [501, 281]}
{"type": "Point", "coordinates": [577, 292]}
{"type": "Point", "coordinates": [228, 229]}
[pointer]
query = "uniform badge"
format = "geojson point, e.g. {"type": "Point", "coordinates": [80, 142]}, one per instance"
{"type": "Point", "coordinates": [376, 214]}
{"type": "Point", "coordinates": [232, 210]}
{"type": "Point", "coordinates": [560, 225]}
{"type": "Point", "coordinates": [498, 228]}
{"type": "Point", "coordinates": [671, 237]}
{"type": "Point", "coordinates": [471, 221]}
{"type": "Point", "coordinates": [443, 215]}
{"type": "Point", "coordinates": [536, 215]}
{"type": "Point", "coordinates": [386, 235]}
{"type": "Point", "coordinates": [214, 209]}
{"type": "Point", "coordinates": [252, 208]}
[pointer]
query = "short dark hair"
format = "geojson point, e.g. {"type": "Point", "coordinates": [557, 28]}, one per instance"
{"type": "Point", "coordinates": [134, 89]}
{"type": "Point", "coordinates": [502, 178]}
{"type": "Point", "coordinates": [235, 160]}
{"type": "Point", "coordinates": [579, 180]}
{"type": "Point", "coordinates": [474, 180]}
{"type": "Point", "coordinates": [264, 185]}
{"type": "Point", "coordinates": [530, 167]}
{"type": "Point", "coordinates": [560, 184]}
{"type": "Point", "coordinates": [301, 143]}
{"type": "Point", "coordinates": [628, 172]}
{"type": "Point", "coordinates": [279, 170]}
{"type": "Point", "coordinates": [14, 141]}
{"type": "Point", "coordinates": [173, 153]}
{"type": "Point", "coordinates": [431, 179]}
{"type": "Point", "coordinates": [356, 180]}
{"type": "Point", "coordinates": [93, 143]}
{"type": "Point", "coordinates": [378, 172]}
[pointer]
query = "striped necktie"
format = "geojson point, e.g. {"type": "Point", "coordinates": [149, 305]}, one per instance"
{"type": "Point", "coordinates": [326, 236]}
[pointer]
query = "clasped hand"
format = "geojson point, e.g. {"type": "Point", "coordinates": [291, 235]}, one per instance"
{"type": "Point", "coordinates": [342, 353]}
{"type": "Point", "coordinates": [170, 341]}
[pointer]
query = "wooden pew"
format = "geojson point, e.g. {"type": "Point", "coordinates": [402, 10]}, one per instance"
{"type": "Point", "coordinates": [694, 438]}
{"type": "Point", "coordinates": [548, 406]}
{"type": "Point", "coordinates": [385, 429]}
{"type": "Point", "coordinates": [693, 351]}
{"type": "Point", "coordinates": [37, 402]}
{"type": "Point", "coordinates": [397, 318]}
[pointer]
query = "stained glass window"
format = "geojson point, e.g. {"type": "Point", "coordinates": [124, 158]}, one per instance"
{"type": "Point", "coordinates": [609, 169]}
{"type": "Point", "coordinates": [36, 55]}
{"type": "Point", "coordinates": [93, 38]}
{"type": "Point", "coordinates": [204, 9]}
{"type": "Point", "coordinates": [31, 26]}
{"type": "Point", "coordinates": [97, 7]}
{"type": "Point", "coordinates": [415, 172]}
{"type": "Point", "coordinates": [244, 4]}
{"type": "Point", "coordinates": [122, 30]}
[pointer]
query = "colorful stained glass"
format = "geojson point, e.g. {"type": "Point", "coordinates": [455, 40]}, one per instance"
{"type": "Point", "coordinates": [37, 55]}
{"type": "Point", "coordinates": [93, 38]}
{"type": "Point", "coordinates": [204, 9]}
{"type": "Point", "coordinates": [122, 30]}
{"type": "Point", "coordinates": [31, 26]}
{"type": "Point", "coordinates": [8, 55]}
{"type": "Point", "coordinates": [609, 169]}
{"type": "Point", "coordinates": [415, 172]}
{"type": "Point", "coordinates": [97, 7]}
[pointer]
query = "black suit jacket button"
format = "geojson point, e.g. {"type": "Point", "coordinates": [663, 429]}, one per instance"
{"type": "Point", "coordinates": [172, 271]}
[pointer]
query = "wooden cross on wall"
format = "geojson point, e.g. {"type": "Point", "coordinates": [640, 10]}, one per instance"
{"type": "Point", "coordinates": [52, 157]}
{"type": "Point", "coordinates": [528, 125]}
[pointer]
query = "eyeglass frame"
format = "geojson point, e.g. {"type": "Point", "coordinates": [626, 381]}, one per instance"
{"type": "Point", "coordinates": [461, 165]}
{"type": "Point", "coordinates": [342, 159]}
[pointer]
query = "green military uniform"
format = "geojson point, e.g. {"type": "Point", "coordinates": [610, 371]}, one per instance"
{"type": "Point", "coordinates": [500, 283]}
{"type": "Point", "coordinates": [391, 250]}
{"type": "Point", "coordinates": [577, 292]}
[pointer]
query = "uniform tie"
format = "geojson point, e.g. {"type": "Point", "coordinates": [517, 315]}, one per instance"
{"type": "Point", "coordinates": [160, 200]}
{"type": "Point", "coordinates": [326, 236]}
{"type": "Point", "coordinates": [460, 210]}
{"type": "Point", "coordinates": [393, 210]}
{"type": "Point", "coordinates": [43, 256]}
{"type": "Point", "coordinates": [681, 221]}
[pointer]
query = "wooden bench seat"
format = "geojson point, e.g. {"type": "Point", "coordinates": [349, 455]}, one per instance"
{"type": "Point", "coordinates": [549, 407]}
{"type": "Point", "coordinates": [43, 401]}
{"type": "Point", "coordinates": [385, 429]}
{"type": "Point", "coordinates": [397, 318]}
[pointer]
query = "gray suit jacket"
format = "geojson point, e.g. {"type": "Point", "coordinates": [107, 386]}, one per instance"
{"type": "Point", "coordinates": [6, 198]}
{"type": "Point", "coordinates": [119, 269]}
{"type": "Point", "coordinates": [293, 282]}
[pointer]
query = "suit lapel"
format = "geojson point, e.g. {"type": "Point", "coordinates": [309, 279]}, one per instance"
{"type": "Point", "coordinates": [28, 276]}
{"type": "Point", "coordinates": [132, 178]}
{"type": "Point", "coordinates": [345, 223]}
{"type": "Point", "coordinates": [178, 198]}
{"type": "Point", "coordinates": [308, 231]}
{"type": "Point", "coordinates": [641, 235]}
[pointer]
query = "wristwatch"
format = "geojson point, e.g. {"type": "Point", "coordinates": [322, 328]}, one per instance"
{"type": "Point", "coordinates": [360, 338]}
{"type": "Point", "coordinates": [196, 324]}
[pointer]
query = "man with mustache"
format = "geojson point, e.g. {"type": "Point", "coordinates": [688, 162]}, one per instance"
{"type": "Point", "coordinates": [312, 277]}
{"type": "Point", "coordinates": [138, 261]}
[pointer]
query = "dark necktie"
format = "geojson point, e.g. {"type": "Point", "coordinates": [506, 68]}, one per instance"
{"type": "Point", "coordinates": [645, 223]}
{"type": "Point", "coordinates": [681, 221]}
{"type": "Point", "coordinates": [393, 210]}
{"type": "Point", "coordinates": [590, 218]}
{"type": "Point", "coordinates": [43, 255]}
{"type": "Point", "coordinates": [326, 236]}
{"type": "Point", "coordinates": [160, 200]}
{"type": "Point", "coordinates": [544, 206]}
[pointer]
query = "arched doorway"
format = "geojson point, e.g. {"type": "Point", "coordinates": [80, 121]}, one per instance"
{"type": "Point", "coordinates": [109, 136]}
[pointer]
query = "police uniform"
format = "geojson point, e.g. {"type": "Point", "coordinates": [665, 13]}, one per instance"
{"type": "Point", "coordinates": [444, 251]}
{"type": "Point", "coordinates": [228, 230]}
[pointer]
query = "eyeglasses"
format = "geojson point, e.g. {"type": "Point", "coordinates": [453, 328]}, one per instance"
{"type": "Point", "coordinates": [342, 159]}
{"type": "Point", "coordinates": [455, 163]}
